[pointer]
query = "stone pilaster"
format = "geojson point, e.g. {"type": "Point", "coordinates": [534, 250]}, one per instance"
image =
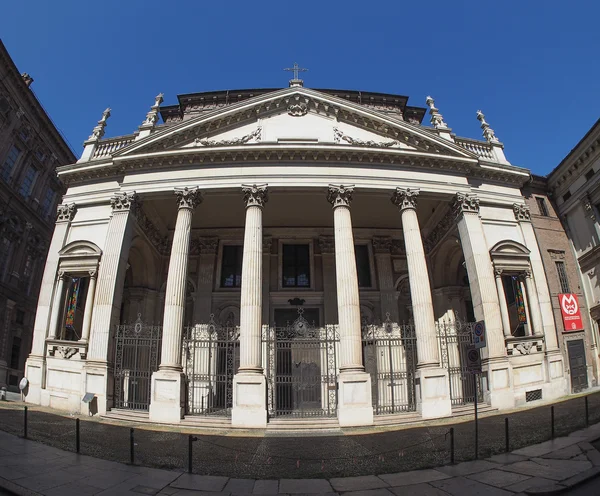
{"type": "Point", "coordinates": [503, 305]}
{"type": "Point", "coordinates": [484, 294]}
{"type": "Point", "coordinates": [207, 250]}
{"type": "Point", "coordinates": [266, 285]}
{"type": "Point", "coordinates": [354, 397]}
{"type": "Point", "coordinates": [57, 306]}
{"type": "Point", "coordinates": [433, 380]}
{"type": "Point", "coordinates": [382, 246]}
{"type": "Point", "coordinates": [89, 307]}
{"type": "Point", "coordinates": [249, 391]}
{"type": "Point", "coordinates": [327, 247]}
{"type": "Point", "coordinates": [167, 399]}
{"type": "Point", "coordinates": [534, 305]}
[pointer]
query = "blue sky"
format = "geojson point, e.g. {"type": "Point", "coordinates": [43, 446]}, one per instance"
{"type": "Point", "coordinates": [532, 66]}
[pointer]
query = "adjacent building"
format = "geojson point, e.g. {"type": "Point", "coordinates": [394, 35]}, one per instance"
{"type": "Point", "coordinates": [30, 150]}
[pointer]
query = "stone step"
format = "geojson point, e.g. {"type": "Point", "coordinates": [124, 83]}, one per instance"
{"type": "Point", "coordinates": [206, 422]}
{"type": "Point", "coordinates": [303, 424]}
{"type": "Point", "coordinates": [128, 415]}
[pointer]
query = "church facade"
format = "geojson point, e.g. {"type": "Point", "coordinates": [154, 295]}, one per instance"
{"type": "Point", "coordinates": [293, 253]}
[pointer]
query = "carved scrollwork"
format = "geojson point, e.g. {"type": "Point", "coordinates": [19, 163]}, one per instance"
{"type": "Point", "coordinates": [382, 244]}
{"type": "Point", "coordinates": [160, 242]}
{"type": "Point", "coordinates": [122, 202]}
{"type": "Point", "coordinates": [340, 196]}
{"type": "Point", "coordinates": [327, 244]}
{"type": "Point", "coordinates": [339, 135]}
{"type": "Point", "coordinates": [231, 142]}
{"type": "Point", "coordinates": [464, 203]}
{"type": "Point", "coordinates": [188, 197]}
{"type": "Point", "coordinates": [405, 198]}
{"type": "Point", "coordinates": [66, 212]}
{"type": "Point", "coordinates": [205, 245]}
{"type": "Point", "coordinates": [521, 212]}
{"type": "Point", "coordinates": [297, 109]}
{"type": "Point", "coordinates": [255, 195]}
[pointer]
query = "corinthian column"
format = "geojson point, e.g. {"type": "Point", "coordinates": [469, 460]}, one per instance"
{"type": "Point", "coordinates": [167, 398]}
{"type": "Point", "coordinates": [418, 276]}
{"type": "Point", "coordinates": [58, 305]}
{"type": "Point", "coordinates": [534, 305]}
{"type": "Point", "coordinates": [255, 196]}
{"type": "Point", "coordinates": [354, 397]}
{"type": "Point", "coordinates": [89, 307]}
{"type": "Point", "coordinates": [503, 306]}
{"type": "Point", "coordinates": [250, 388]}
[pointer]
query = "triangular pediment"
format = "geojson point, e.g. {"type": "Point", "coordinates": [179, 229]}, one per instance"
{"type": "Point", "coordinates": [294, 117]}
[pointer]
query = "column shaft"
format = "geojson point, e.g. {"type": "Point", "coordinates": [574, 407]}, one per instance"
{"type": "Point", "coordinates": [503, 305]}
{"type": "Point", "coordinates": [534, 305]}
{"type": "Point", "coordinates": [57, 306]}
{"type": "Point", "coordinates": [89, 307]}
{"type": "Point", "coordinates": [383, 263]}
{"type": "Point", "coordinates": [327, 247]}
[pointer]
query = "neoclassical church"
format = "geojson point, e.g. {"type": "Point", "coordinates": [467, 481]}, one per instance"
{"type": "Point", "coordinates": [282, 253]}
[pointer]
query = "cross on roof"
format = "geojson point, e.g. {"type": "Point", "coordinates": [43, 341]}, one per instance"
{"type": "Point", "coordinates": [296, 69]}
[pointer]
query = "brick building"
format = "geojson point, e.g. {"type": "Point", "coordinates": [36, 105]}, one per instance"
{"type": "Point", "coordinates": [30, 150]}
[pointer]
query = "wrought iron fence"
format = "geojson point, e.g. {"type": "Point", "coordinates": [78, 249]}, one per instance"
{"type": "Point", "coordinates": [137, 356]}
{"type": "Point", "coordinates": [390, 356]}
{"type": "Point", "coordinates": [301, 368]}
{"type": "Point", "coordinates": [211, 357]}
{"type": "Point", "coordinates": [455, 338]}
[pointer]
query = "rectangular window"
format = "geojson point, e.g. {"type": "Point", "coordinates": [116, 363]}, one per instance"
{"type": "Point", "coordinates": [9, 163]}
{"type": "Point", "coordinates": [15, 353]}
{"type": "Point", "coordinates": [5, 245]}
{"type": "Point", "coordinates": [543, 209]}
{"type": "Point", "coordinates": [231, 266]}
{"type": "Point", "coordinates": [589, 174]}
{"type": "Point", "coordinates": [48, 201]}
{"type": "Point", "coordinates": [20, 317]}
{"type": "Point", "coordinates": [566, 196]}
{"type": "Point", "coordinates": [28, 180]}
{"type": "Point", "coordinates": [296, 266]}
{"type": "Point", "coordinates": [562, 277]}
{"type": "Point", "coordinates": [363, 267]}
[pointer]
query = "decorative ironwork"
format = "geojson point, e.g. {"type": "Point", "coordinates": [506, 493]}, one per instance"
{"type": "Point", "coordinates": [390, 356]}
{"type": "Point", "coordinates": [137, 356]}
{"type": "Point", "coordinates": [455, 339]}
{"type": "Point", "coordinates": [211, 357]}
{"type": "Point", "coordinates": [301, 369]}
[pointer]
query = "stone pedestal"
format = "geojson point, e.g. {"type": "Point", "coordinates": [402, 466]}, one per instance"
{"type": "Point", "coordinates": [354, 399]}
{"type": "Point", "coordinates": [98, 379]}
{"type": "Point", "coordinates": [433, 395]}
{"type": "Point", "coordinates": [35, 373]}
{"type": "Point", "coordinates": [249, 401]}
{"type": "Point", "coordinates": [558, 384]}
{"type": "Point", "coordinates": [499, 392]}
{"type": "Point", "coordinates": [167, 398]}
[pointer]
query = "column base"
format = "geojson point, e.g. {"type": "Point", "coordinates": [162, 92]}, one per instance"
{"type": "Point", "coordinates": [167, 396]}
{"type": "Point", "coordinates": [249, 401]}
{"type": "Point", "coordinates": [355, 407]}
{"type": "Point", "coordinates": [499, 392]}
{"type": "Point", "coordinates": [433, 392]}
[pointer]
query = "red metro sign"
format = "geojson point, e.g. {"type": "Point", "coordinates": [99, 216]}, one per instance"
{"type": "Point", "coordinates": [569, 307]}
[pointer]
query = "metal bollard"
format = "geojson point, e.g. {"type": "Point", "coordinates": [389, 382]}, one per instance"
{"type": "Point", "coordinates": [77, 435]}
{"type": "Point", "coordinates": [25, 422]}
{"type": "Point", "coordinates": [506, 438]}
{"type": "Point", "coordinates": [451, 445]}
{"type": "Point", "coordinates": [552, 422]}
{"type": "Point", "coordinates": [191, 439]}
{"type": "Point", "coordinates": [131, 448]}
{"type": "Point", "coordinates": [587, 413]}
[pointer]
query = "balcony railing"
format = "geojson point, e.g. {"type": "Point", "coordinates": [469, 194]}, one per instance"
{"type": "Point", "coordinates": [479, 148]}
{"type": "Point", "coordinates": [108, 147]}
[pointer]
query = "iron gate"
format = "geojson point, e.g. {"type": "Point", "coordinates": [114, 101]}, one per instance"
{"type": "Point", "coordinates": [137, 356]}
{"type": "Point", "coordinates": [390, 357]}
{"type": "Point", "coordinates": [301, 368]}
{"type": "Point", "coordinates": [211, 357]}
{"type": "Point", "coordinates": [455, 339]}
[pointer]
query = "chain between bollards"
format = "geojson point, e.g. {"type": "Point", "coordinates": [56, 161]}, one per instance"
{"type": "Point", "coordinates": [131, 447]}
{"type": "Point", "coordinates": [25, 422]}
{"type": "Point", "coordinates": [451, 445]}
{"type": "Point", "coordinates": [191, 439]}
{"type": "Point", "coordinates": [506, 438]}
{"type": "Point", "coordinates": [77, 435]}
{"type": "Point", "coordinates": [552, 422]}
{"type": "Point", "coordinates": [587, 412]}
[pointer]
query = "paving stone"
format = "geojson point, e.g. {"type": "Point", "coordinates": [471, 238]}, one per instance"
{"type": "Point", "coordinates": [555, 488]}
{"type": "Point", "coordinates": [239, 486]}
{"type": "Point", "coordinates": [505, 458]}
{"type": "Point", "coordinates": [467, 468]}
{"type": "Point", "coordinates": [498, 478]}
{"type": "Point", "coordinates": [72, 489]}
{"type": "Point", "coordinates": [534, 469]}
{"type": "Point", "coordinates": [298, 486]}
{"type": "Point", "coordinates": [565, 453]}
{"type": "Point", "coordinates": [580, 458]}
{"type": "Point", "coordinates": [585, 446]}
{"type": "Point", "coordinates": [413, 477]}
{"type": "Point", "coordinates": [461, 486]}
{"type": "Point", "coordinates": [105, 478]}
{"type": "Point", "coordinates": [581, 477]}
{"type": "Point", "coordinates": [546, 447]}
{"type": "Point", "coordinates": [532, 482]}
{"type": "Point", "coordinates": [200, 482]}
{"type": "Point", "coordinates": [361, 483]}
{"type": "Point", "coordinates": [266, 487]}
{"type": "Point", "coordinates": [11, 473]}
{"type": "Point", "coordinates": [167, 491]}
{"type": "Point", "coordinates": [418, 490]}
{"type": "Point", "coordinates": [570, 467]}
{"type": "Point", "coordinates": [594, 457]}
{"type": "Point", "coordinates": [370, 492]}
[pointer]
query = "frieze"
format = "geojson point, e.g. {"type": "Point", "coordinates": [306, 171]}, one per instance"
{"type": "Point", "coordinates": [231, 142]}
{"type": "Point", "coordinates": [340, 196]}
{"type": "Point", "coordinates": [327, 244]}
{"type": "Point", "coordinates": [405, 198]}
{"type": "Point", "coordinates": [465, 203]}
{"type": "Point", "coordinates": [339, 135]}
{"type": "Point", "coordinates": [59, 349]}
{"type": "Point", "coordinates": [255, 195]}
{"type": "Point", "coordinates": [524, 346]}
{"type": "Point", "coordinates": [204, 246]}
{"type": "Point", "coordinates": [65, 212]}
{"type": "Point", "coordinates": [557, 254]}
{"type": "Point", "coordinates": [521, 212]}
{"type": "Point", "coordinates": [398, 247]}
{"type": "Point", "coordinates": [188, 197]}
{"type": "Point", "coordinates": [382, 244]}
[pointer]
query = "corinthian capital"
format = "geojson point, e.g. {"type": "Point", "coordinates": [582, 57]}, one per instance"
{"type": "Point", "coordinates": [340, 196]}
{"type": "Point", "coordinates": [65, 213]}
{"type": "Point", "coordinates": [465, 203]}
{"type": "Point", "coordinates": [521, 212]}
{"type": "Point", "coordinates": [382, 244]}
{"type": "Point", "coordinates": [124, 201]}
{"type": "Point", "coordinates": [188, 198]}
{"type": "Point", "coordinates": [405, 198]}
{"type": "Point", "coordinates": [255, 195]}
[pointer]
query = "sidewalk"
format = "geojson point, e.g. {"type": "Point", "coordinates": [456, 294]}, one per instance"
{"type": "Point", "coordinates": [30, 468]}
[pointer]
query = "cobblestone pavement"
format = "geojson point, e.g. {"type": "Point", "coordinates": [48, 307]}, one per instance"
{"type": "Point", "coordinates": [551, 467]}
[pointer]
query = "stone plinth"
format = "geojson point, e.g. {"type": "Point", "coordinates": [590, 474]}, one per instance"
{"type": "Point", "coordinates": [433, 396]}
{"type": "Point", "coordinates": [354, 399]}
{"type": "Point", "coordinates": [249, 401]}
{"type": "Point", "coordinates": [167, 396]}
